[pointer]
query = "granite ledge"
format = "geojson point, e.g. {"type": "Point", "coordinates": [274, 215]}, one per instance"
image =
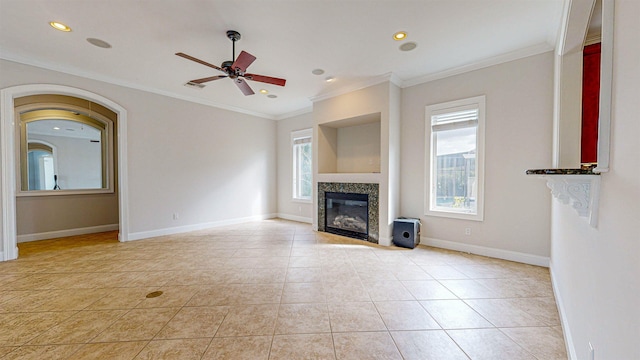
{"type": "Point", "coordinates": [561, 172]}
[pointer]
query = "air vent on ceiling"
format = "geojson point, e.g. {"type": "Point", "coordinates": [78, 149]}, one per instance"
{"type": "Point", "coordinates": [191, 84]}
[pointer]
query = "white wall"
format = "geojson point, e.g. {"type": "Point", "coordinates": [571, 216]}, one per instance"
{"type": "Point", "coordinates": [596, 272]}
{"type": "Point", "coordinates": [210, 166]}
{"type": "Point", "coordinates": [287, 207]}
{"type": "Point", "coordinates": [519, 113]}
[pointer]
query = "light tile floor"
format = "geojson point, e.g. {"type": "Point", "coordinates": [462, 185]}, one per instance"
{"type": "Point", "coordinates": [270, 290]}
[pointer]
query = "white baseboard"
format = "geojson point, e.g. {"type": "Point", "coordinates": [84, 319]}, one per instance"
{"type": "Point", "coordinates": [295, 218]}
{"type": "Point", "coordinates": [487, 251]}
{"type": "Point", "coordinates": [68, 232]}
{"type": "Point", "coordinates": [566, 330]}
{"type": "Point", "coordinates": [384, 241]}
{"type": "Point", "coordinates": [195, 227]}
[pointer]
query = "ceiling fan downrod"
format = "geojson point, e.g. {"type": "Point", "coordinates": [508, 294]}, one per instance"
{"type": "Point", "coordinates": [233, 36]}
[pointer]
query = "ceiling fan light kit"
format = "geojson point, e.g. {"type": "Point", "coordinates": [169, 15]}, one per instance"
{"type": "Point", "coordinates": [235, 70]}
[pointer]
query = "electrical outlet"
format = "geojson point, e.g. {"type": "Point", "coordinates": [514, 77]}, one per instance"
{"type": "Point", "coordinates": [467, 231]}
{"type": "Point", "coordinates": [175, 216]}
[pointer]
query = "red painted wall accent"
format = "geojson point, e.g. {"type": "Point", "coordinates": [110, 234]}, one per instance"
{"type": "Point", "coordinates": [590, 103]}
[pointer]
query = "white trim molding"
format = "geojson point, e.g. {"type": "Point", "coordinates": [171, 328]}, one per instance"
{"type": "Point", "coordinates": [67, 232]}
{"type": "Point", "coordinates": [487, 251]}
{"type": "Point", "coordinates": [8, 158]}
{"type": "Point", "coordinates": [390, 77]}
{"type": "Point", "coordinates": [481, 64]}
{"type": "Point", "coordinates": [195, 227]}
{"type": "Point", "coordinates": [301, 219]}
{"type": "Point", "coordinates": [566, 329]}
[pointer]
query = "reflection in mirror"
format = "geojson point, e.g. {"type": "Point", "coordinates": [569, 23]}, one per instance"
{"type": "Point", "coordinates": [63, 150]}
{"type": "Point", "coordinates": [41, 166]}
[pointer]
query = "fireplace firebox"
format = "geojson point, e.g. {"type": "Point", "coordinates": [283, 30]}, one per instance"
{"type": "Point", "coordinates": [347, 214]}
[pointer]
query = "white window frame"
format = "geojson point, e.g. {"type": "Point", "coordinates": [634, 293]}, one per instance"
{"type": "Point", "coordinates": [296, 135]}
{"type": "Point", "coordinates": [430, 208]}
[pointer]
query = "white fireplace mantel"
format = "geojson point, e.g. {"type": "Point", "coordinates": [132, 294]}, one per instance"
{"type": "Point", "coordinates": [373, 178]}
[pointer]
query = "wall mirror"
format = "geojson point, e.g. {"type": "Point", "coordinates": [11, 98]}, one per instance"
{"type": "Point", "coordinates": [63, 151]}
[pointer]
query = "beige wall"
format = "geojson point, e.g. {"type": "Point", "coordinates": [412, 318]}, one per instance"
{"type": "Point", "coordinates": [595, 270]}
{"type": "Point", "coordinates": [287, 207]}
{"type": "Point", "coordinates": [38, 215]}
{"type": "Point", "coordinates": [359, 149]}
{"type": "Point", "coordinates": [210, 166]}
{"type": "Point", "coordinates": [519, 113]}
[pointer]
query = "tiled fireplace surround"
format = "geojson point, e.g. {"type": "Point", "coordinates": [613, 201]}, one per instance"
{"type": "Point", "coordinates": [355, 188]}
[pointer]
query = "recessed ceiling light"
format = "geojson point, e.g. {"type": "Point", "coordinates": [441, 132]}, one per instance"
{"type": "Point", "coordinates": [330, 79]}
{"type": "Point", "coordinates": [400, 35]}
{"type": "Point", "coordinates": [99, 43]}
{"type": "Point", "coordinates": [263, 91]}
{"type": "Point", "coordinates": [317, 72]}
{"type": "Point", "coordinates": [56, 128]}
{"type": "Point", "coordinates": [271, 96]}
{"type": "Point", "coordinates": [408, 46]}
{"type": "Point", "coordinates": [59, 26]}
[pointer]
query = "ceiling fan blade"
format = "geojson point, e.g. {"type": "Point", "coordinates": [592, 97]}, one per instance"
{"type": "Point", "coordinates": [265, 79]}
{"type": "Point", "coordinates": [207, 79]}
{"type": "Point", "coordinates": [189, 57]}
{"type": "Point", "coordinates": [243, 61]}
{"type": "Point", "coordinates": [243, 86]}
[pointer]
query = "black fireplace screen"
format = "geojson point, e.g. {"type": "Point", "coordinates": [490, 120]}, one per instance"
{"type": "Point", "coordinates": [347, 214]}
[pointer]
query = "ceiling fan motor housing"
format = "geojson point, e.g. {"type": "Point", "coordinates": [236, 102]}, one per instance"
{"type": "Point", "coordinates": [226, 65]}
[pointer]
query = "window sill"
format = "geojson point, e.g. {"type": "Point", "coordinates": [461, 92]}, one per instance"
{"type": "Point", "coordinates": [579, 188]}
{"type": "Point", "coordinates": [30, 193]}
{"type": "Point", "coordinates": [455, 215]}
{"type": "Point", "coordinates": [303, 201]}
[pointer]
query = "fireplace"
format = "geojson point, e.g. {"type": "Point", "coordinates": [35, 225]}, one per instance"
{"type": "Point", "coordinates": [349, 199]}
{"type": "Point", "coordinates": [347, 214]}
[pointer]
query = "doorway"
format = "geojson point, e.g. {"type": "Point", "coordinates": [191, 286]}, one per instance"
{"type": "Point", "coordinates": [9, 155]}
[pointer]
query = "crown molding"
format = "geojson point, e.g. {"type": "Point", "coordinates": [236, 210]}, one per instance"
{"type": "Point", "coordinates": [106, 79]}
{"type": "Point", "coordinates": [388, 77]}
{"type": "Point", "coordinates": [291, 114]}
{"type": "Point", "coordinates": [496, 60]}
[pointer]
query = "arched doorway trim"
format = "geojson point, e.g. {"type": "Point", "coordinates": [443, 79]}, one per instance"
{"type": "Point", "coordinates": [8, 155]}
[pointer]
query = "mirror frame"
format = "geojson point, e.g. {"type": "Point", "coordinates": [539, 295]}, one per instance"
{"type": "Point", "coordinates": [606, 87]}
{"type": "Point", "coordinates": [39, 112]}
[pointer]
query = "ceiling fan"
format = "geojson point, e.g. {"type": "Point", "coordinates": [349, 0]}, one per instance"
{"type": "Point", "coordinates": [235, 70]}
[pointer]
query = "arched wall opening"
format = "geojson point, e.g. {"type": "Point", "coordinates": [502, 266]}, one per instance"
{"type": "Point", "coordinates": [9, 156]}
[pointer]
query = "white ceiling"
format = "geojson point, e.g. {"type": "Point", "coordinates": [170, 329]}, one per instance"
{"type": "Point", "coordinates": [350, 39]}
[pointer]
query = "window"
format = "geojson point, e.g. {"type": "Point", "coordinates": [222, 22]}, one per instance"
{"type": "Point", "coordinates": [302, 170]}
{"type": "Point", "coordinates": [455, 159]}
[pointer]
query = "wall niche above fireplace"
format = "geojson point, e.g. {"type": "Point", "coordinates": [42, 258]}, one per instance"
{"type": "Point", "coordinates": [357, 142]}
{"type": "Point", "coordinates": [350, 145]}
